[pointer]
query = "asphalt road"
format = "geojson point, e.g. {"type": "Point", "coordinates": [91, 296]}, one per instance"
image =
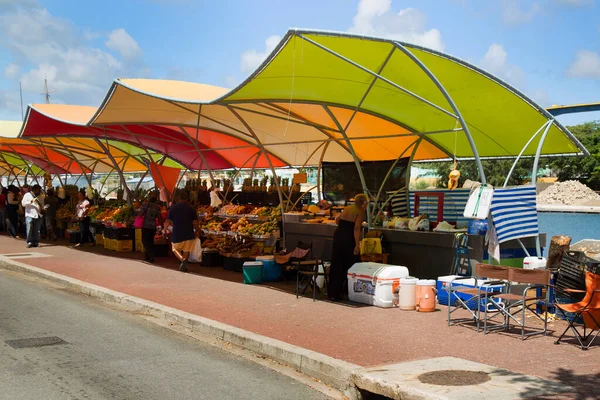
{"type": "Point", "coordinates": [110, 354]}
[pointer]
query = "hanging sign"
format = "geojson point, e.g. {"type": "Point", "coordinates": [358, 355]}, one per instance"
{"type": "Point", "coordinates": [299, 178]}
{"type": "Point", "coordinates": [480, 200]}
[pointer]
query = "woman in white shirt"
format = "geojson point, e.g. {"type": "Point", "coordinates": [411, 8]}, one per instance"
{"type": "Point", "coordinates": [81, 212]}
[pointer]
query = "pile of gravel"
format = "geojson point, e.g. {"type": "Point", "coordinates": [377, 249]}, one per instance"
{"type": "Point", "coordinates": [567, 193]}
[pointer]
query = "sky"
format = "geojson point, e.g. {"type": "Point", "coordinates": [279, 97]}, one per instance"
{"type": "Point", "coordinates": [548, 49]}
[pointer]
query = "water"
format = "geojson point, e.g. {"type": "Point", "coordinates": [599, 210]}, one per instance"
{"type": "Point", "coordinates": [578, 226]}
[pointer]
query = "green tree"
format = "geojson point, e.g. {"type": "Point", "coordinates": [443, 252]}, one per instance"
{"type": "Point", "coordinates": [585, 169]}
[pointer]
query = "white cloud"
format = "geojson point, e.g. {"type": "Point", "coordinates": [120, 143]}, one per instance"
{"type": "Point", "coordinates": [44, 46]}
{"type": "Point", "coordinates": [585, 65]}
{"type": "Point", "coordinates": [513, 15]}
{"type": "Point", "coordinates": [12, 71]}
{"type": "Point", "coordinates": [120, 41]}
{"type": "Point", "coordinates": [375, 17]}
{"type": "Point", "coordinates": [251, 59]}
{"type": "Point", "coordinates": [496, 62]}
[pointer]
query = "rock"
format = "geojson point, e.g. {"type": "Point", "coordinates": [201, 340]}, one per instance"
{"type": "Point", "coordinates": [469, 184]}
{"type": "Point", "coordinates": [567, 193]}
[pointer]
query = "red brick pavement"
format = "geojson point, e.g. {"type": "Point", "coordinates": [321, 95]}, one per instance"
{"type": "Point", "coordinates": [365, 336]}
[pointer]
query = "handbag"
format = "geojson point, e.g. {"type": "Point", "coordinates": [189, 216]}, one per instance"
{"type": "Point", "coordinates": [371, 245]}
{"type": "Point", "coordinates": [139, 220]}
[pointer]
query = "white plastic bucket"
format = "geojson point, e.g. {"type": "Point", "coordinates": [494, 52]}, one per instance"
{"type": "Point", "coordinates": [534, 262]}
{"type": "Point", "coordinates": [407, 293]}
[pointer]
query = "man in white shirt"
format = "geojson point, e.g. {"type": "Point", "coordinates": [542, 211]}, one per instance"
{"type": "Point", "coordinates": [33, 204]}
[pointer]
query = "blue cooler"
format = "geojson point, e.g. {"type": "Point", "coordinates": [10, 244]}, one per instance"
{"type": "Point", "coordinates": [253, 271]}
{"type": "Point", "coordinates": [442, 294]}
{"type": "Point", "coordinates": [271, 270]}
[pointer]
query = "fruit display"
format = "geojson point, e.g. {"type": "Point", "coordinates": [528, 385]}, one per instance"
{"type": "Point", "coordinates": [67, 211]}
{"type": "Point", "coordinates": [212, 242]}
{"type": "Point", "coordinates": [206, 210]}
{"type": "Point", "coordinates": [231, 209]}
{"type": "Point", "coordinates": [234, 246]}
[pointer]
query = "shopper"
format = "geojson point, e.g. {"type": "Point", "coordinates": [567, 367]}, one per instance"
{"type": "Point", "coordinates": [182, 217]}
{"type": "Point", "coordinates": [152, 217]}
{"type": "Point", "coordinates": [33, 205]}
{"type": "Point", "coordinates": [12, 210]}
{"type": "Point", "coordinates": [346, 245]}
{"type": "Point", "coordinates": [82, 209]}
{"type": "Point", "coordinates": [51, 205]}
{"type": "Point", "coordinates": [3, 200]}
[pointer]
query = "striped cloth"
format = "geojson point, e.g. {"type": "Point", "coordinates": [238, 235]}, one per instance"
{"type": "Point", "coordinates": [514, 213]}
{"type": "Point", "coordinates": [399, 203]}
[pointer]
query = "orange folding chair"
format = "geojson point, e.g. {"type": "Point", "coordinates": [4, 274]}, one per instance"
{"type": "Point", "coordinates": [588, 309]}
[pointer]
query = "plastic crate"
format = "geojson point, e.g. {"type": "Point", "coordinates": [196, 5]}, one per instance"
{"type": "Point", "coordinates": [122, 246]}
{"type": "Point", "coordinates": [99, 239]}
{"type": "Point", "coordinates": [212, 259]}
{"type": "Point", "coordinates": [139, 246]}
{"type": "Point", "coordinates": [109, 233]}
{"type": "Point", "coordinates": [124, 233]}
{"type": "Point", "coordinates": [571, 274]}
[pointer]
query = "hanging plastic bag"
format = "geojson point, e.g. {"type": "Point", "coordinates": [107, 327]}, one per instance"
{"type": "Point", "coordinates": [196, 254]}
{"type": "Point", "coordinates": [480, 200]}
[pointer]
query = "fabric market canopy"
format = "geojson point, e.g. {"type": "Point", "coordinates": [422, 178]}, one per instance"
{"type": "Point", "coordinates": [370, 96]}
{"type": "Point", "coordinates": [189, 147]}
{"type": "Point", "coordinates": [75, 155]}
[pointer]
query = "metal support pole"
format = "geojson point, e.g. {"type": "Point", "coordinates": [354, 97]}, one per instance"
{"type": "Point", "coordinates": [319, 168]}
{"type": "Point", "coordinates": [452, 104]}
{"type": "Point", "coordinates": [416, 144]}
{"type": "Point", "coordinates": [119, 171]}
{"type": "Point", "coordinates": [522, 151]}
{"type": "Point", "coordinates": [538, 247]}
{"type": "Point", "coordinates": [259, 144]}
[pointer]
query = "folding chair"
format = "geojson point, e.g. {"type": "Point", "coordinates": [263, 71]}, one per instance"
{"type": "Point", "coordinates": [487, 278]}
{"type": "Point", "coordinates": [307, 274]}
{"type": "Point", "coordinates": [588, 308]}
{"type": "Point", "coordinates": [513, 307]}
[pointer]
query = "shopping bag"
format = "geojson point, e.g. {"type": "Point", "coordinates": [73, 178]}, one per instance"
{"type": "Point", "coordinates": [196, 253]}
{"type": "Point", "coordinates": [480, 200]}
{"type": "Point", "coordinates": [371, 245]}
{"type": "Point", "coordinates": [139, 222]}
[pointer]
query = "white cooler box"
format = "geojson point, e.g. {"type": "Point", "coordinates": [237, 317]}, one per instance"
{"type": "Point", "coordinates": [371, 283]}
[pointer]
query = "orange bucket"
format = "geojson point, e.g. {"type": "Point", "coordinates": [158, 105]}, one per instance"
{"type": "Point", "coordinates": [425, 295]}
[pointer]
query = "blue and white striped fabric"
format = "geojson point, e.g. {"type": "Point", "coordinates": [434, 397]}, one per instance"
{"type": "Point", "coordinates": [514, 213]}
{"type": "Point", "coordinates": [399, 203]}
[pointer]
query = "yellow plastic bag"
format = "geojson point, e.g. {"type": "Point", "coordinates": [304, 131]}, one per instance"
{"type": "Point", "coordinates": [371, 245]}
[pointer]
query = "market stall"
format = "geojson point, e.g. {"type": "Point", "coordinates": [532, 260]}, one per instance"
{"type": "Point", "coordinates": [397, 103]}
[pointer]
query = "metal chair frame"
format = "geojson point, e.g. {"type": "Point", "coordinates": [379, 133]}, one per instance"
{"type": "Point", "coordinates": [513, 304]}
{"type": "Point", "coordinates": [479, 293]}
{"type": "Point", "coordinates": [309, 271]}
{"type": "Point", "coordinates": [586, 309]}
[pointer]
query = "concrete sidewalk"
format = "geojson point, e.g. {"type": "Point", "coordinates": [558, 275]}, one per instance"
{"type": "Point", "coordinates": [345, 336]}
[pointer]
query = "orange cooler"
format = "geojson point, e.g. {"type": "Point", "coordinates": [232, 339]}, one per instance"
{"type": "Point", "coordinates": [426, 292]}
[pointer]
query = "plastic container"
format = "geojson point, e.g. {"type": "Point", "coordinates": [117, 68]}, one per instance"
{"type": "Point", "coordinates": [407, 293]}
{"type": "Point", "coordinates": [372, 283]}
{"type": "Point", "coordinates": [534, 263]}
{"type": "Point", "coordinates": [477, 227]}
{"type": "Point", "coordinates": [442, 294]}
{"type": "Point", "coordinates": [271, 270]}
{"type": "Point", "coordinates": [425, 296]}
{"type": "Point", "coordinates": [253, 271]}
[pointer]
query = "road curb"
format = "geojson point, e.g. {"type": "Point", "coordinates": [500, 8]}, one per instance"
{"type": "Point", "coordinates": [334, 372]}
